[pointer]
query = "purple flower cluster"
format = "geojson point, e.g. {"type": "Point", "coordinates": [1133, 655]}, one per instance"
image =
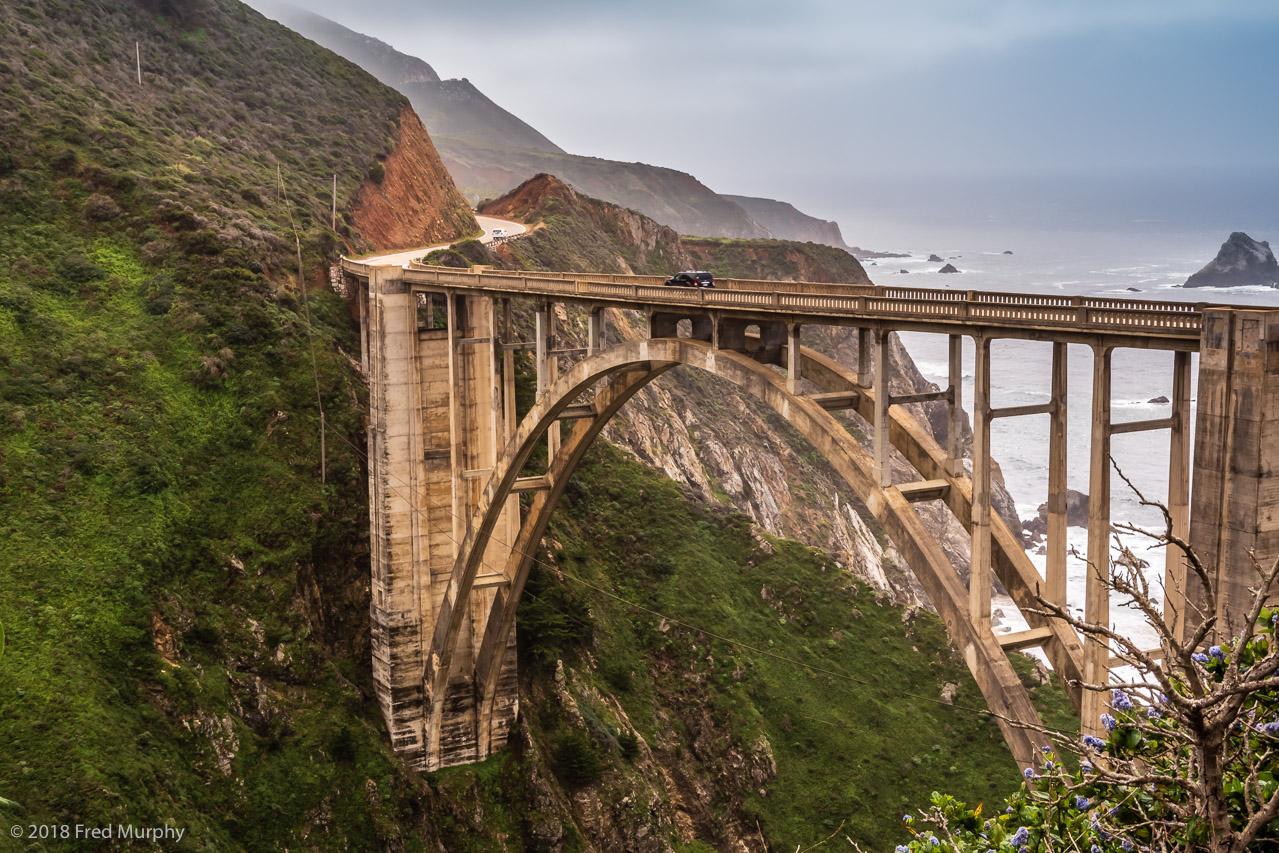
{"type": "Point", "coordinates": [1029, 773]}
{"type": "Point", "coordinates": [1269, 728]}
{"type": "Point", "coordinates": [1081, 803]}
{"type": "Point", "coordinates": [1200, 657]}
{"type": "Point", "coordinates": [1216, 652]}
{"type": "Point", "coordinates": [1020, 837]}
{"type": "Point", "coordinates": [1120, 702]}
{"type": "Point", "coordinates": [1109, 722]}
{"type": "Point", "coordinates": [1094, 742]}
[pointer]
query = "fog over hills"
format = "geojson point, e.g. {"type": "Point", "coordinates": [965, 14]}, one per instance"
{"type": "Point", "coordinates": [489, 151]}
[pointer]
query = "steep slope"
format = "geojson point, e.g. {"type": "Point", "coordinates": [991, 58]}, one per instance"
{"type": "Point", "coordinates": [410, 200]}
{"type": "Point", "coordinates": [786, 223]}
{"type": "Point", "coordinates": [488, 168]}
{"type": "Point", "coordinates": [776, 260]}
{"type": "Point", "coordinates": [384, 62]}
{"type": "Point", "coordinates": [446, 107]}
{"type": "Point", "coordinates": [185, 570]}
{"type": "Point", "coordinates": [580, 233]}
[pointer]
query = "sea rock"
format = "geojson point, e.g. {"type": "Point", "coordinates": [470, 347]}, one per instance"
{"type": "Point", "coordinates": [1134, 290]}
{"type": "Point", "coordinates": [1160, 399]}
{"type": "Point", "coordinates": [1076, 516]}
{"type": "Point", "coordinates": [934, 259]}
{"type": "Point", "coordinates": [1242, 261]}
{"type": "Point", "coordinates": [903, 272]}
{"type": "Point", "coordinates": [1008, 251]}
{"type": "Point", "coordinates": [948, 268]}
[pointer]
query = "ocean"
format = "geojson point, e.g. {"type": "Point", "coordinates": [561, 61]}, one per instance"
{"type": "Point", "coordinates": [1056, 251]}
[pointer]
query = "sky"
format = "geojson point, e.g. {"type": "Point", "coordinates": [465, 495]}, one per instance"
{"type": "Point", "coordinates": [796, 99]}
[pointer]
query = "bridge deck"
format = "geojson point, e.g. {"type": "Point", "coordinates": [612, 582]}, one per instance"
{"type": "Point", "coordinates": [1143, 323]}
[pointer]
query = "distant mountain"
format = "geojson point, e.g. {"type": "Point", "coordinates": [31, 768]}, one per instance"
{"type": "Point", "coordinates": [489, 151]}
{"type": "Point", "coordinates": [673, 198]}
{"type": "Point", "coordinates": [1241, 261]}
{"type": "Point", "coordinates": [384, 62]}
{"type": "Point", "coordinates": [787, 223]}
{"type": "Point", "coordinates": [446, 107]}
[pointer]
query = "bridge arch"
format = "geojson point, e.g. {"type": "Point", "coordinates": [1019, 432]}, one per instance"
{"type": "Point", "coordinates": [621, 371]}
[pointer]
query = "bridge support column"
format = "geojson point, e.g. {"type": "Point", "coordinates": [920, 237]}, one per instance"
{"type": "Point", "coordinates": [863, 357]}
{"type": "Point", "coordinates": [955, 412]}
{"type": "Point", "coordinates": [1236, 495]}
{"type": "Point", "coordinates": [1175, 565]}
{"type": "Point", "coordinates": [979, 569]}
{"type": "Point", "coordinates": [399, 515]}
{"type": "Point", "coordinates": [595, 332]}
{"type": "Point", "coordinates": [793, 357]}
{"type": "Point", "coordinates": [1055, 576]}
{"type": "Point", "coordinates": [883, 463]}
{"type": "Point", "coordinates": [1097, 587]}
{"type": "Point", "coordinates": [547, 368]}
{"type": "Point", "coordinates": [436, 428]}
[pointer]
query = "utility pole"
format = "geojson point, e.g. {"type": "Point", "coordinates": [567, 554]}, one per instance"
{"type": "Point", "coordinates": [334, 226]}
{"type": "Point", "coordinates": [137, 49]}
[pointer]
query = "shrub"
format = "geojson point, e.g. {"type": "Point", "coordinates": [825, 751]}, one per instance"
{"type": "Point", "coordinates": [577, 762]}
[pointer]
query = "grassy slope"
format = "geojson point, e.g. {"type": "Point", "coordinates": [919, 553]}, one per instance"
{"type": "Point", "coordinates": [844, 689]}
{"type": "Point", "coordinates": [159, 462]}
{"type": "Point", "coordinates": [785, 260]}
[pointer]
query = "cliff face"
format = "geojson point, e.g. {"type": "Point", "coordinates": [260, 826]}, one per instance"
{"type": "Point", "coordinates": [786, 223]}
{"type": "Point", "coordinates": [1241, 262]}
{"type": "Point", "coordinates": [413, 202]}
{"type": "Point", "coordinates": [574, 232]}
{"type": "Point", "coordinates": [776, 260]}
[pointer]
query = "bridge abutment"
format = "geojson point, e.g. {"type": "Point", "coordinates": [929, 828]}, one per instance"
{"type": "Point", "coordinates": [436, 429]}
{"type": "Point", "coordinates": [1235, 504]}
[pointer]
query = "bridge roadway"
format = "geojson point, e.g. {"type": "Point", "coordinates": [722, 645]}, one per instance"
{"type": "Point", "coordinates": [444, 436]}
{"type": "Point", "coordinates": [1137, 323]}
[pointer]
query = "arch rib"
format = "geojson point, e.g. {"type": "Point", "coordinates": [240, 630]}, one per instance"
{"type": "Point", "coordinates": [638, 363]}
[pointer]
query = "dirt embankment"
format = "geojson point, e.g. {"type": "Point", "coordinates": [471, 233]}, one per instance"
{"type": "Point", "coordinates": [415, 203]}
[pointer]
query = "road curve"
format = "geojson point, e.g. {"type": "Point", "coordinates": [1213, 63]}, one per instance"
{"type": "Point", "coordinates": [402, 257]}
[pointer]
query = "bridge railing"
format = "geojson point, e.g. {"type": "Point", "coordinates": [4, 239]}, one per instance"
{"type": "Point", "coordinates": [1149, 317]}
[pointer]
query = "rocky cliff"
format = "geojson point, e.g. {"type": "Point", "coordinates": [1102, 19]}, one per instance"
{"type": "Point", "coordinates": [775, 260]}
{"type": "Point", "coordinates": [1241, 261]}
{"type": "Point", "coordinates": [409, 199]}
{"type": "Point", "coordinates": [786, 223]}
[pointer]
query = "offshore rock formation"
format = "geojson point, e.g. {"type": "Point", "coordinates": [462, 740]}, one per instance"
{"type": "Point", "coordinates": [1241, 262]}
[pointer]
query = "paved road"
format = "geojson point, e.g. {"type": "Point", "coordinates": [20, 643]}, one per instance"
{"type": "Point", "coordinates": [403, 257]}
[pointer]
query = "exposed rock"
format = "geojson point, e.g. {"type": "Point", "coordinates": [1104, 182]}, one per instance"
{"type": "Point", "coordinates": [1241, 261]}
{"type": "Point", "coordinates": [415, 203]}
{"type": "Point", "coordinates": [787, 223]}
{"type": "Point", "coordinates": [1076, 516]}
{"type": "Point", "coordinates": [948, 691]}
{"type": "Point", "coordinates": [948, 268]}
{"type": "Point", "coordinates": [1160, 399]}
{"type": "Point", "coordinates": [866, 254]}
{"type": "Point", "coordinates": [934, 258]}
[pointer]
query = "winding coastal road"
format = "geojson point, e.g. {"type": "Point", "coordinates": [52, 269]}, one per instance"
{"type": "Point", "coordinates": [401, 258]}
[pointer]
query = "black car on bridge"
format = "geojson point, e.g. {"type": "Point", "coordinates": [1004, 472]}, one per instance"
{"type": "Point", "coordinates": [691, 278]}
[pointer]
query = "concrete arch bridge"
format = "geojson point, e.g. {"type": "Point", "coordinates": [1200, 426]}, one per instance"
{"type": "Point", "coordinates": [451, 548]}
